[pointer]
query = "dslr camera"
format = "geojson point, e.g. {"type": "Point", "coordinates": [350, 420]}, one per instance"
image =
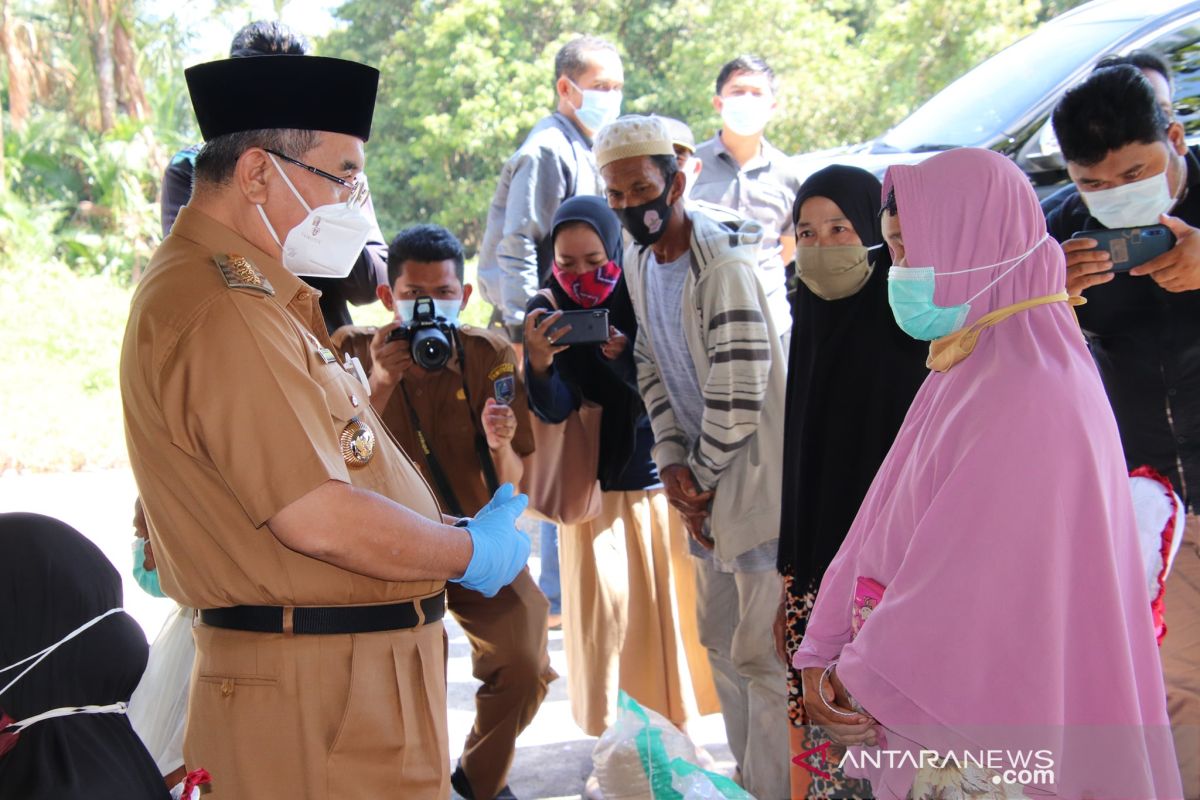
{"type": "Point", "coordinates": [428, 336]}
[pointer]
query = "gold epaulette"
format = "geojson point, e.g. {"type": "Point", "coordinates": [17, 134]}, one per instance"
{"type": "Point", "coordinates": [240, 273]}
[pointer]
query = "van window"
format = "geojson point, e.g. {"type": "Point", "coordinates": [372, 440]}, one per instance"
{"type": "Point", "coordinates": [1181, 48]}
{"type": "Point", "coordinates": [993, 97]}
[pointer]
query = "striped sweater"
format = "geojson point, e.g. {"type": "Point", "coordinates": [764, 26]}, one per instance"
{"type": "Point", "coordinates": [741, 369]}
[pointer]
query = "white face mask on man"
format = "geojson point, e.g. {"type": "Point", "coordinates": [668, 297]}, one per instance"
{"type": "Point", "coordinates": [1133, 204]}
{"type": "Point", "coordinates": [327, 242]}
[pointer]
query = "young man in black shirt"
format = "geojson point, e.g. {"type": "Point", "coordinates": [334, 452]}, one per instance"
{"type": "Point", "coordinates": [1131, 167]}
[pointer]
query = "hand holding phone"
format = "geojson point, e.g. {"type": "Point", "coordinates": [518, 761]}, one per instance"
{"type": "Point", "coordinates": [586, 326]}
{"type": "Point", "coordinates": [1131, 247]}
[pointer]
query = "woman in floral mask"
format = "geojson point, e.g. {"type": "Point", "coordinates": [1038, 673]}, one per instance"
{"type": "Point", "coordinates": [852, 374]}
{"type": "Point", "coordinates": [626, 575]}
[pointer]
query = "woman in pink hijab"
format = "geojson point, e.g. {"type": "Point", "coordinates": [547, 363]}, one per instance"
{"type": "Point", "coordinates": [984, 630]}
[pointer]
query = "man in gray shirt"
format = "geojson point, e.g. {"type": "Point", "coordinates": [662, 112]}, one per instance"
{"type": "Point", "coordinates": [553, 164]}
{"type": "Point", "coordinates": [743, 172]}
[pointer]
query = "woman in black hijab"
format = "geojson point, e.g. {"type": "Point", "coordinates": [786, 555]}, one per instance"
{"type": "Point", "coordinates": [626, 575]}
{"type": "Point", "coordinates": [852, 374]}
{"type": "Point", "coordinates": [53, 581]}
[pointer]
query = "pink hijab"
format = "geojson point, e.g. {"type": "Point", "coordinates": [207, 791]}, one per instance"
{"type": "Point", "coordinates": [1015, 614]}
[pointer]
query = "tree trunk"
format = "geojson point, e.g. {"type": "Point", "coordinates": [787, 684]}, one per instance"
{"type": "Point", "coordinates": [19, 82]}
{"type": "Point", "coordinates": [131, 93]}
{"type": "Point", "coordinates": [98, 16]}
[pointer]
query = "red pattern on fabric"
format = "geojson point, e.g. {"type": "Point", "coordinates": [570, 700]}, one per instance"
{"type": "Point", "coordinates": [589, 289]}
{"type": "Point", "coordinates": [1157, 604]}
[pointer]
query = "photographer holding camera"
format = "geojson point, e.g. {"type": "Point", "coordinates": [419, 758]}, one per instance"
{"type": "Point", "coordinates": [452, 397]}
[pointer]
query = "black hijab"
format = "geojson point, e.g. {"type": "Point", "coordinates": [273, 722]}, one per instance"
{"type": "Point", "coordinates": [53, 580]}
{"type": "Point", "coordinates": [610, 384]}
{"type": "Point", "coordinates": [852, 374]}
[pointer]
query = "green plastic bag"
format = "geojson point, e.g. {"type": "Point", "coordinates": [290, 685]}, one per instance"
{"type": "Point", "coordinates": [642, 756]}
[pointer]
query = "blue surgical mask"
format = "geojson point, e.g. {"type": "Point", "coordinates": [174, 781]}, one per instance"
{"type": "Point", "coordinates": [147, 579]}
{"type": "Point", "coordinates": [599, 107]}
{"type": "Point", "coordinates": [446, 309]}
{"type": "Point", "coordinates": [910, 294]}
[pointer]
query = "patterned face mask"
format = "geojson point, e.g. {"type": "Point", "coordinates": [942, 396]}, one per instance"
{"type": "Point", "coordinates": [589, 289]}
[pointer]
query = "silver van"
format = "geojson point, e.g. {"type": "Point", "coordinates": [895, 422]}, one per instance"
{"type": "Point", "coordinates": [1004, 103]}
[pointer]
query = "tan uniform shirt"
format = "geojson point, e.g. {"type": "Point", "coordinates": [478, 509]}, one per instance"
{"type": "Point", "coordinates": [235, 405]}
{"type": "Point", "coordinates": [447, 420]}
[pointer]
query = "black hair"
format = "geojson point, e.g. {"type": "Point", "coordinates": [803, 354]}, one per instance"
{"type": "Point", "coordinates": [268, 37]}
{"type": "Point", "coordinates": [889, 205]}
{"type": "Point", "coordinates": [571, 60]}
{"type": "Point", "coordinates": [424, 243]}
{"type": "Point", "coordinates": [667, 165]}
{"type": "Point", "coordinates": [218, 157]}
{"type": "Point", "coordinates": [745, 63]}
{"type": "Point", "coordinates": [1113, 108]}
{"type": "Point", "coordinates": [1143, 60]}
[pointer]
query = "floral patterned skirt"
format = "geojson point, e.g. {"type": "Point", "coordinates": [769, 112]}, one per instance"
{"type": "Point", "coordinates": [824, 780]}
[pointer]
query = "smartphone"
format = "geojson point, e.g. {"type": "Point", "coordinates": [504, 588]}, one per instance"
{"type": "Point", "coordinates": [588, 326]}
{"type": "Point", "coordinates": [1131, 247]}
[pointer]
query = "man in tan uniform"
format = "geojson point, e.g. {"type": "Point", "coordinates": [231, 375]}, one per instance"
{"type": "Point", "coordinates": [466, 424]}
{"type": "Point", "coordinates": [277, 503]}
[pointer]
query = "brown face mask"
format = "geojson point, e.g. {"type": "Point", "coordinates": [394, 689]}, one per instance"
{"type": "Point", "coordinates": [833, 273]}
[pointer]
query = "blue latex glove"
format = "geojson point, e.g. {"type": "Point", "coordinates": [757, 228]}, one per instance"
{"type": "Point", "coordinates": [500, 549]}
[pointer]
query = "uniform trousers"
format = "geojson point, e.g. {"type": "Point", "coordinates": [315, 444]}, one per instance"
{"type": "Point", "coordinates": [320, 717]}
{"type": "Point", "coordinates": [508, 653]}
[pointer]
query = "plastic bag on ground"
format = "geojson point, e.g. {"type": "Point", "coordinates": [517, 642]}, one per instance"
{"type": "Point", "coordinates": [642, 756]}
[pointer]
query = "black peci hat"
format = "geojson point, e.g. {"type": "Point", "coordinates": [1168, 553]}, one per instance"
{"type": "Point", "coordinates": [303, 92]}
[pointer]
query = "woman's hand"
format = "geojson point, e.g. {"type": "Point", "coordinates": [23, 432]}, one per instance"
{"type": "Point", "coordinates": [616, 344]}
{"type": "Point", "coordinates": [779, 628]}
{"type": "Point", "coordinates": [540, 345]}
{"type": "Point", "coordinates": [846, 728]}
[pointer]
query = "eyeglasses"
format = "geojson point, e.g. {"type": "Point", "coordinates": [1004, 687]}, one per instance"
{"type": "Point", "coordinates": [358, 189]}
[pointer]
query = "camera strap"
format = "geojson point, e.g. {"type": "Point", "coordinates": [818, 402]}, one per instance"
{"type": "Point", "coordinates": [449, 498]}
{"type": "Point", "coordinates": [482, 451]}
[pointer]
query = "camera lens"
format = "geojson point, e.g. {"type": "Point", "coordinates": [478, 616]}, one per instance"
{"type": "Point", "coordinates": [430, 348]}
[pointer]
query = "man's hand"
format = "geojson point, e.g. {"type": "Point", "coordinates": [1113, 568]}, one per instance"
{"type": "Point", "coordinates": [389, 360]}
{"type": "Point", "coordinates": [1086, 266]}
{"type": "Point", "coordinates": [1177, 270]}
{"type": "Point", "coordinates": [616, 344]}
{"type": "Point", "coordinates": [499, 424]}
{"type": "Point", "coordinates": [848, 727]}
{"type": "Point", "coordinates": [499, 549]}
{"type": "Point", "coordinates": [685, 496]}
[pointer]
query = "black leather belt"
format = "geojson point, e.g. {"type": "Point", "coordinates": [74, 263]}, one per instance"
{"type": "Point", "coordinates": [328, 620]}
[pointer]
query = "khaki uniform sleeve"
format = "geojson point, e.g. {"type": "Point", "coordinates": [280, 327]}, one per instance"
{"type": "Point", "coordinates": [500, 362]}
{"type": "Point", "coordinates": [354, 340]}
{"type": "Point", "coordinates": [242, 393]}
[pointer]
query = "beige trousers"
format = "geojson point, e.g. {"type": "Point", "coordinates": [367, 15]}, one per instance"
{"type": "Point", "coordinates": [339, 717]}
{"type": "Point", "coordinates": [629, 619]}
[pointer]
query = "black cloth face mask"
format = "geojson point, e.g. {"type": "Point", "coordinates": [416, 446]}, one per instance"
{"type": "Point", "coordinates": [648, 222]}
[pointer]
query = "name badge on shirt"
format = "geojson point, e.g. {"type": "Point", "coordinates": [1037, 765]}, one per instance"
{"type": "Point", "coordinates": [355, 368]}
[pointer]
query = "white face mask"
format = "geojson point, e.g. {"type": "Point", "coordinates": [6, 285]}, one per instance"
{"type": "Point", "coordinates": [327, 242]}
{"type": "Point", "coordinates": [598, 108]}
{"type": "Point", "coordinates": [1132, 205]}
{"type": "Point", "coordinates": [746, 114]}
{"type": "Point", "coordinates": [446, 309]}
